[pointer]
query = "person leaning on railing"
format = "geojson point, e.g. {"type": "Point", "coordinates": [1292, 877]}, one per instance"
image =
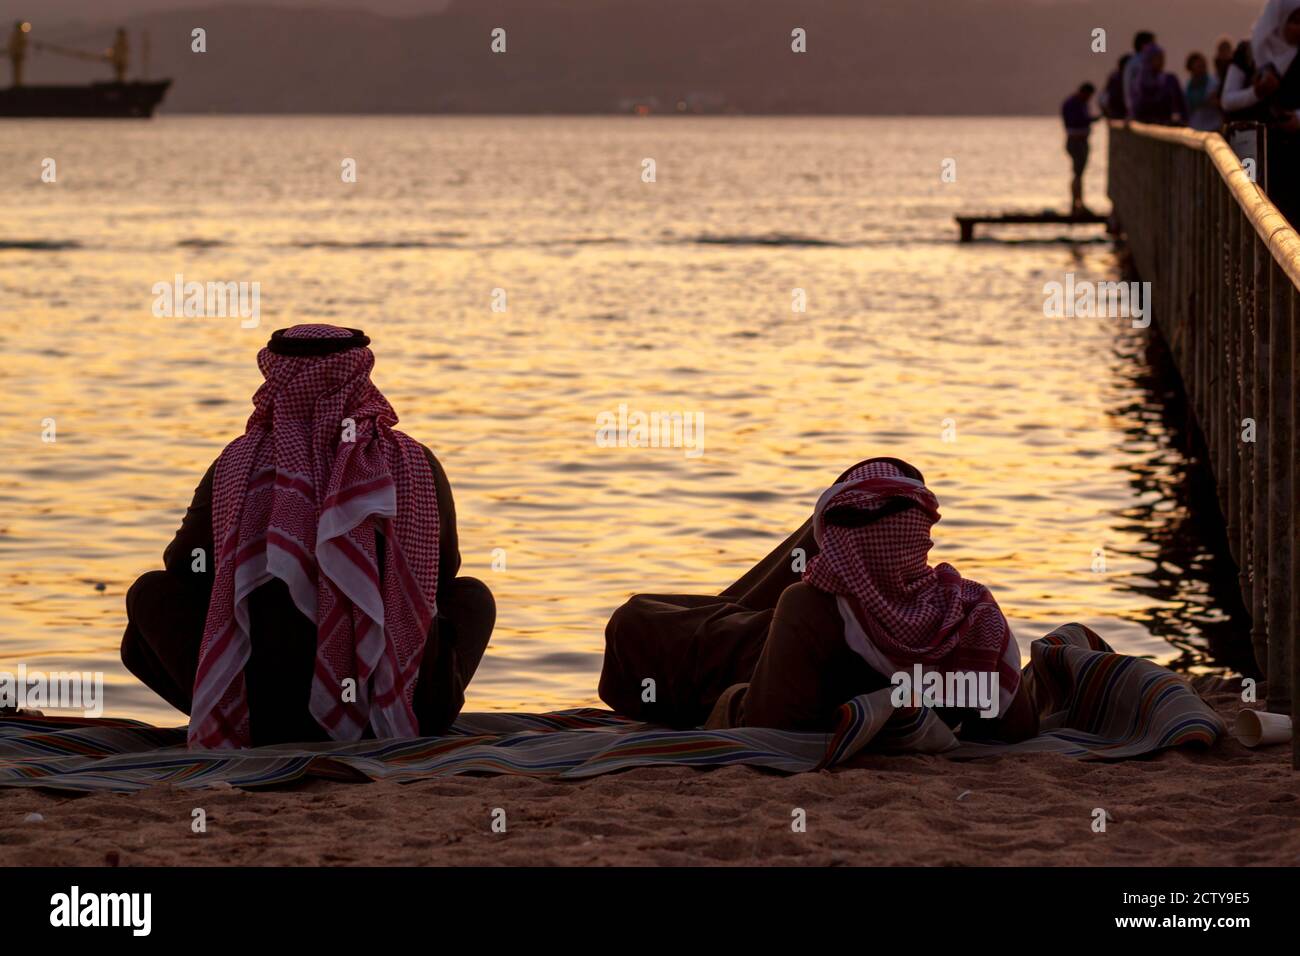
{"type": "Point", "coordinates": [1157, 96]}
{"type": "Point", "coordinates": [1263, 85]}
{"type": "Point", "coordinates": [1202, 95]}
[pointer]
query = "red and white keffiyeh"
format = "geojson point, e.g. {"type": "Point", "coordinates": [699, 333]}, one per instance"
{"type": "Point", "coordinates": [897, 610]}
{"type": "Point", "coordinates": [295, 499]}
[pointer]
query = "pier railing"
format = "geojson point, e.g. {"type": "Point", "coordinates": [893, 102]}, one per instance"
{"type": "Point", "coordinates": [1224, 268]}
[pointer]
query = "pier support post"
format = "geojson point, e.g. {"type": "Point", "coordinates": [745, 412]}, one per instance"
{"type": "Point", "coordinates": [1258, 268]}
{"type": "Point", "coordinates": [1279, 437]}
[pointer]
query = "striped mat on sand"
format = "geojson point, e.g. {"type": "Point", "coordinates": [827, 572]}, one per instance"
{"type": "Point", "coordinates": [1096, 705]}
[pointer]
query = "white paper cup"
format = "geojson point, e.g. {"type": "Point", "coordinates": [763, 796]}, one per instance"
{"type": "Point", "coordinates": [1259, 728]}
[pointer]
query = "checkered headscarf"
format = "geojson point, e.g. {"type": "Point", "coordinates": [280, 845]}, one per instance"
{"type": "Point", "coordinates": [296, 498]}
{"type": "Point", "coordinates": [898, 610]}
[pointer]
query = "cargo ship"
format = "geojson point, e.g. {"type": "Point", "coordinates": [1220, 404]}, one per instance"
{"type": "Point", "coordinates": [118, 98]}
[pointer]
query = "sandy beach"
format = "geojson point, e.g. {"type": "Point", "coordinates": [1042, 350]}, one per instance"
{"type": "Point", "coordinates": [1231, 806]}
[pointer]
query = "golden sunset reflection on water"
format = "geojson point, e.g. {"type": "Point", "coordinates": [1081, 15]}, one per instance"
{"type": "Point", "coordinates": [668, 296]}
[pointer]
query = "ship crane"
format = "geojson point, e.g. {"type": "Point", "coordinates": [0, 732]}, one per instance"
{"type": "Point", "coordinates": [16, 49]}
{"type": "Point", "coordinates": [117, 56]}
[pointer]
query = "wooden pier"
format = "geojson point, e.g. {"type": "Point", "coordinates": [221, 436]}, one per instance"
{"type": "Point", "coordinates": [967, 223]}
{"type": "Point", "coordinates": [1224, 268]}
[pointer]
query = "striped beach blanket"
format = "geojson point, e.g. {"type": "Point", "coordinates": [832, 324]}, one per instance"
{"type": "Point", "coordinates": [1096, 705]}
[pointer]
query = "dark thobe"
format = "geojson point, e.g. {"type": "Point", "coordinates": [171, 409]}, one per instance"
{"type": "Point", "coordinates": [166, 611]}
{"type": "Point", "coordinates": [1284, 147]}
{"type": "Point", "coordinates": [790, 647]}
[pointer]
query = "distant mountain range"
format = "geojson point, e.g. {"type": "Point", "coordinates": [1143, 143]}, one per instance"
{"type": "Point", "coordinates": [944, 57]}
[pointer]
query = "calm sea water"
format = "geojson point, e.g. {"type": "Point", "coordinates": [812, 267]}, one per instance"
{"type": "Point", "coordinates": [1040, 436]}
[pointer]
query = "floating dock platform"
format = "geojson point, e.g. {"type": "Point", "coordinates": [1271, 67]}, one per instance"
{"type": "Point", "coordinates": [968, 223]}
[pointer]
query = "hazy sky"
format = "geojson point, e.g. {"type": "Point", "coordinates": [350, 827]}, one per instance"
{"type": "Point", "coordinates": [865, 56]}
{"type": "Point", "coordinates": [97, 9]}
{"type": "Point", "coordinates": [109, 9]}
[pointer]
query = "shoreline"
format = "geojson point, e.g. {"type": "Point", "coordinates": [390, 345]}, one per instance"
{"type": "Point", "coordinates": [1228, 806]}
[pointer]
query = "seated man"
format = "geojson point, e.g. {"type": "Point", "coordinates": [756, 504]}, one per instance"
{"type": "Point", "coordinates": [783, 649]}
{"type": "Point", "coordinates": [311, 592]}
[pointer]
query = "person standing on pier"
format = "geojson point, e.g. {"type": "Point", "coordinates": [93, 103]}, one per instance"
{"type": "Point", "coordinates": [1202, 95]}
{"type": "Point", "coordinates": [1133, 69]}
{"type": "Point", "coordinates": [1262, 83]}
{"type": "Point", "coordinates": [1078, 121]}
{"type": "Point", "coordinates": [1274, 43]}
{"type": "Point", "coordinates": [1111, 99]}
{"type": "Point", "coordinates": [1157, 96]}
{"type": "Point", "coordinates": [1241, 99]}
{"type": "Point", "coordinates": [1223, 51]}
